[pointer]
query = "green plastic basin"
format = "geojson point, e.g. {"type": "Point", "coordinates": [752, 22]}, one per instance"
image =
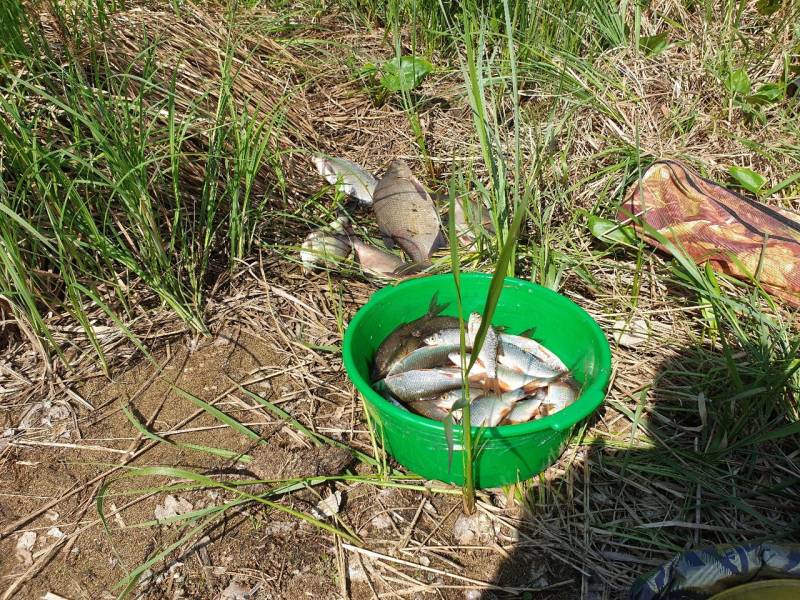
{"type": "Point", "coordinates": [505, 454]}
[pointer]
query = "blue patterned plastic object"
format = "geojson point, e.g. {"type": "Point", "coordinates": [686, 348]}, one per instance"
{"type": "Point", "coordinates": [699, 574]}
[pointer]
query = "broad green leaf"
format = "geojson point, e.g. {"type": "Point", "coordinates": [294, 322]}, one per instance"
{"type": "Point", "coordinates": [404, 73]}
{"type": "Point", "coordinates": [368, 69]}
{"type": "Point", "coordinates": [768, 7]}
{"type": "Point", "coordinates": [748, 179]}
{"type": "Point", "coordinates": [609, 231]}
{"type": "Point", "coordinates": [738, 82]}
{"type": "Point", "coordinates": [771, 92]}
{"type": "Point", "coordinates": [654, 44]}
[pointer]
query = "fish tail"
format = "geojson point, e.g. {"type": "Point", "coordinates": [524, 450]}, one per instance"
{"type": "Point", "coordinates": [434, 308]}
{"type": "Point", "coordinates": [440, 242]}
{"type": "Point", "coordinates": [413, 269]}
{"type": "Point", "coordinates": [533, 386]}
{"type": "Point", "coordinates": [515, 395]}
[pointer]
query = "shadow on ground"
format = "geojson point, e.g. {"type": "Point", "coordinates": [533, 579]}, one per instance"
{"type": "Point", "coordinates": [709, 457]}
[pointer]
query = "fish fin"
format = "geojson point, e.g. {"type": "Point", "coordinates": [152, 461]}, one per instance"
{"type": "Point", "coordinates": [516, 395]}
{"type": "Point", "coordinates": [434, 308]}
{"type": "Point", "coordinates": [420, 188]}
{"type": "Point", "coordinates": [439, 243]}
{"type": "Point", "coordinates": [388, 241]}
{"type": "Point", "coordinates": [410, 269]}
{"type": "Point", "coordinates": [528, 333]}
{"type": "Point", "coordinates": [533, 386]}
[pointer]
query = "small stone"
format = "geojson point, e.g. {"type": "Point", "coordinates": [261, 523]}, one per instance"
{"type": "Point", "coordinates": [381, 521]}
{"type": "Point", "coordinates": [473, 530]}
{"type": "Point", "coordinates": [236, 590]}
{"type": "Point", "coordinates": [278, 528]}
{"type": "Point", "coordinates": [355, 572]}
{"type": "Point", "coordinates": [172, 507]}
{"type": "Point", "coordinates": [24, 548]}
{"type": "Point", "coordinates": [328, 506]}
{"type": "Point", "coordinates": [55, 532]}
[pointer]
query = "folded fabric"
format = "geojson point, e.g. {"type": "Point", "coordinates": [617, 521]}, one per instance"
{"type": "Point", "coordinates": [699, 574]}
{"type": "Point", "coordinates": [737, 235]}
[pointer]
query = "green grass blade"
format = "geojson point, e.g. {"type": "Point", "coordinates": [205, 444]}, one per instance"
{"type": "Point", "coordinates": [217, 414]}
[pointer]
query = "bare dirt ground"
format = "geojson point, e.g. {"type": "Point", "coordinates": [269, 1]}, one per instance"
{"type": "Point", "coordinates": [54, 472]}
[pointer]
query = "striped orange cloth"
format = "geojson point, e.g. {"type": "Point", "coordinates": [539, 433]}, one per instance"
{"type": "Point", "coordinates": [713, 224]}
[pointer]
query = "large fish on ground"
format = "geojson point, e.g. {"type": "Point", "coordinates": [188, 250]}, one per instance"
{"type": "Point", "coordinates": [325, 247]}
{"type": "Point", "coordinates": [378, 262]}
{"type": "Point", "coordinates": [470, 216]}
{"type": "Point", "coordinates": [405, 212]}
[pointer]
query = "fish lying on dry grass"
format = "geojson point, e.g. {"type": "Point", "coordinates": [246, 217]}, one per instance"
{"type": "Point", "coordinates": [350, 178]}
{"type": "Point", "coordinates": [329, 246]}
{"type": "Point", "coordinates": [405, 212]}
{"type": "Point", "coordinates": [325, 247]}
{"type": "Point", "coordinates": [406, 216]}
{"type": "Point", "coordinates": [514, 379]}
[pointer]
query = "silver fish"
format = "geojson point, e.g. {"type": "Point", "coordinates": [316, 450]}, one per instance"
{"type": "Point", "coordinates": [349, 177]}
{"type": "Point", "coordinates": [408, 337]}
{"type": "Point", "coordinates": [447, 337]}
{"type": "Point", "coordinates": [507, 379]}
{"type": "Point", "coordinates": [514, 357]}
{"type": "Point", "coordinates": [560, 394]}
{"type": "Point", "coordinates": [535, 348]}
{"type": "Point", "coordinates": [491, 409]}
{"type": "Point", "coordinates": [376, 261]}
{"type": "Point", "coordinates": [469, 216]}
{"type": "Point", "coordinates": [422, 358]}
{"type": "Point", "coordinates": [488, 352]}
{"type": "Point", "coordinates": [437, 407]}
{"type": "Point", "coordinates": [321, 249]}
{"type": "Point", "coordinates": [420, 383]}
{"type": "Point", "coordinates": [429, 409]}
{"type": "Point", "coordinates": [526, 410]}
{"type": "Point", "coordinates": [453, 336]}
{"type": "Point", "coordinates": [405, 212]}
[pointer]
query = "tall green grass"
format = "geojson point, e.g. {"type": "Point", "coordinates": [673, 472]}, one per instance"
{"type": "Point", "coordinates": [95, 194]}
